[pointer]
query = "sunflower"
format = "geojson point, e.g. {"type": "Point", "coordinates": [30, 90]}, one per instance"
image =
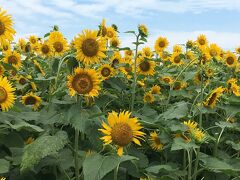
{"type": "Point", "coordinates": [177, 49]}
{"type": "Point", "coordinates": [32, 100]}
{"type": "Point", "coordinates": [176, 59]}
{"type": "Point", "coordinates": [21, 44]}
{"type": "Point", "coordinates": [191, 125]}
{"type": "Point", "coordinates": [1, 70]}
{"type": "Point", "coordinates": [146, 67]}
{"type": "Point", "coordinates": [121, 130]}
{"type": "Point", "coordinates": [178, 85]}
{"type": "Point", "coordinates": [189, 44]}
{"type": "Point", "coordinates": [143, 31]}
{"type": "Point", "coordinates": [147, 53]}
{"type": "Point", "coordinates": [13, 58]}
{"type": "Point", "coordinates": [190, 56]}
{"type": "Point", "coordinates": [21, 80]}
{"type": "Point", "coordinates": [33, 39]}
{"type": "Point", "coordinates": [233, 87]}
{"type": "Point", "coordinates": [205, 57]}
{"type": "Point", "coordinates": [45, 49]}
{"type": "Point", "coordinates": [33, 86]}
{"type": "Point", "coordinates": [214, 51]}
{"type": "Point", "coordinates": [198, 135]}
{"type": "Point", "coordinates": [6, 46]}
{"type": "Point", "coordinates": [103, 29]}
{"type": "Point", "coordinates": [160, 44]}
{"type": "Point", "coordinates": [155, 141]}
{"type": "Point", "coordinates": [209, 72]}
{"type": "Point", "coordinates": [6, 28]}
{"type": "Point", "coordinates": [38, 67]}
{"type": "Point", "coordinates": [84, 81]}
{"type": "Point", "coordinates": [128, 53]}
{"type": "Point", "coordinates": [148, 97]}
{"type": "Point", "coordinates": [29, 140]}
{"type": "Point", "coordinates": [213, 97]}
{"type": "Point", "coordinates": [59, 43]}
{"type": "Point", "coordinates": [197, 78]}
{"type": "Point", "coordinates": [111, 32]}
{"type": "Point", "coordinates": [165, 56]}
{"type": "Point", "coordinates": [183, 136]}
{"type": "Point", "coordinates": [237, 50]}
{"type": "Point", "coordinates": [6, 94]}
{"type": "Point", "coordinates": [155, 89]}
{"type": "Point", "coordinates": [127, 70]}
{"type": "Point", "coordinates": [90, 47]}
{"type": "Point", "coordinates": [167, 79]}
{"type": "Point", "coordinates": [202, 40]}
{"type": "Point", "coordinates": [115, 42]}
{"type": "Point", "coordinates": [230, 59]}
{"type": "Point", "coordinates": [106, 71]}
{"type": "Point", "coordinates": [116, 59]}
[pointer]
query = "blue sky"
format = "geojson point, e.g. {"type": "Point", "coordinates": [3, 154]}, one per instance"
{"type": "Point", "coordinates": [178, 20]}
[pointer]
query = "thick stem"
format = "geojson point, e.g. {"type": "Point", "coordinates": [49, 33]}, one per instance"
{"type": "Point", "coordinates": [189, 152]}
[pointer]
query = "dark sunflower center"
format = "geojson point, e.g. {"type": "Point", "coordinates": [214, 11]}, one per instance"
{"type": "Point", "coordinates": [144, 66]}
{"type": "Point", "coordinates": [33, 41]}
{"type": "Point", "coordinates": [230, 60]}
{"type": "Point", "coordinates": [128, 69]}
{"type": "Point", "coordinates": [3, 95]}
{"type": "Point", "coordinates": [22, 81]}
{"type": "Point", "coordinates": [157, 141]}
{"type": "Point", "coordinates": [115, 62]}
{"type": "Point", "coordinates": [2, 28]}
{"type": "Point", "coordinates": [161, 44]}
{"type": "Point", "coordinates": [110, 34]}
{"type": "Point", "coordinates": [30, 100]}
{"type": "Point", "coordinates": [5, 47]}
{"type": "Point", "coordinates": [12, 59]}
{"type": "Point", "coordinates": [58, 46]}
{"type": "Point", "coordinates": [177, 59]}
{"type": "Point", "coordinates": [177, 86]}
{"type": "Point", "coordinates": [104, 31]}
{"type": "Point", "coordinates": [105, 72]}
{"type": "Point", "coordinates": [129, 52]}
{"type": "Point", "coordinates": [202, 41]}
{"type": "Point", "coordinates": [166, 80]}
{"type": "Point", "coordinates": [212, 99]}
{"type": "Point", "coordinates": [213, 52]}
{"type": "Point", "coordinates": [45, 49]}
{"type": "Point", "coordinates": [90, 47]}
{"type": "Point", "coordinates": [121, 134]}
{"type": "Point", "coordinates": [28, 48]}
{"type": "Point", "coordinates": [82, 83]}
{"type": "Point", "coordinates": [114, 43]}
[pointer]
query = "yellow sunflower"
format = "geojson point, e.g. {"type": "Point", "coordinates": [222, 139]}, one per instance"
{"type": "Point", "coordinates": [143, 31]}
{"type": "Point", "coordinates": [45, 49]}
{"type": "Point", "coordinates": [213, 97]}
{"type": "Point", "coordinates": [205, 57]}
{"type": "Point", "coordinates": [148, 97]}
{"type": "Point", "coordinates": [33, 39]}
{"type": "Point", "coordinates": [190, 56]}
{"type": "Point", "coordinates": [90, 47]}
{"type": "Point", "coordinates": [191, 125]}
{"type": "Point", "coordinates": [155, 89]}
{"type": "Point", "coordinates": [103, 29]}
{"type": "Point", "coordinates": [29, 140]}
{"type": "Point", "coordinates": [106, 71]}
{"type": "Point", "coordinates": [146, 67]}
{"type": "Point", "coordinates": [33, 86]}
{"type": "Point", "coordinates": [197, 78]}
{"type": "Point", "coordinates": [84, 81]}
{"type": "Point", "coordinates": [128, 53]}
{"type": "Point", "coordinates": [121, 130]}
{"type": "Point", "coordinates": [189, 44]}
{"type": "Point", "coordinates": [21, 80]}
{"type": "Point", "coordinates": [2, 70]}
{"type": "Point", "coordinates": [177, 49]}
{"type": "Point", "coordinates": [13, 58]}
{"type": "Point", "coordinates": [237, 50]}
{"type": "Point", "coordinates": [155, 141]}
{"type": "Point", "coordinates": [115, 42]}
{"type": "Point", "coordinates": [202, 40]}
{"type": "Point", "coordinates": [167, 79]}
{"type": "Point", "coordinates": [38, 67]}
{"type": "Point", "coordinates": [7, 97]}
{"type": "Point", "coordinates": [6, 46]}
{"type": "Point", "coordinates": [6, 28]}
{"type": "Point", "coordinates": [233, 87]}
{"type": "Point", "coordinates": [127, 70]}
{"type": "Point", "coordinates": [160, 44]}
{"type": "Point", "coordinates": [21, 44]}
{"type": "Point", "coordinates": [214, 51]}
{"type": "Point", "coordinates": [230, 59]}
{"type": "Point", "coordinates": [147, 53]}
{"type": "Point", "coordinates": [111, 33]}
{"type": "Point", "coordinates": [59, 43]}
{"type": "Point", "coordinates": [178, 85]}
{"type": "Point", "coordinates": [176, 59]}
{"type": "Point", "coordinates": [198, 135]}
{"type": "Point", "coordinates": [165, 56]}
{"type": "Point", "coordinates": [32, 100]}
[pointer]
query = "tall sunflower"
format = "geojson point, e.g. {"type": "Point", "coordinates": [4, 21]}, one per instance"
{"type": "Point", "coordinates": [142, 29]}
{"type": "Point", "coordinates": [237, 50]}
{"type": "Point", "coordinates": [59, 43]}
{"type": "Point", "coordinates": [32, 100]}
{"type": "Point", "coordinates": [213, 97]}
{"type": "Point", "coordinates": [106, 71]}
{"type": "Point", "coordinates": [13, 58]}
{"type": "Point", "coordinates": [155, 141]}
{"type": "Point", "coordinates": [111, 33]}
{"type": "Point", "coordinates": [6, 28]}
{"type": "Point", "coordinates": [84, 81]}
{"type": "Point", "coordinates": [147, 52]}
{"type": "Point", "coordinates": [90, 47]}
{"type": "Point", "coordinates": [45, 49]}
{"type": "Point", "coordinates": [160, 44]}
{"type": "Point", "coordinates": [177, 48]}
{"type": "Point", "coordinates": [176, 59]}
{"type": "Point", "coordinates": [214, 51]}
{"type": "Point", "coordinates": [146, 67]}
{"type": "Point", "coordinates": [121, 130]}
{"type": "Point", "coordinates": [7, 97]}
{"type": "Point", "coordinates": [230, 59]}
{"type": "Point", "coordinates": [202, 40]}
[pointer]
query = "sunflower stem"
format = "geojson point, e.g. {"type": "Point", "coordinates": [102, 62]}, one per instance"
{"type": "Point", "coordinates": [115, 173]}
{"type": "Point", "coordinates": [135, 73]}
{"type": "Point", "coordinates": [189, 152]}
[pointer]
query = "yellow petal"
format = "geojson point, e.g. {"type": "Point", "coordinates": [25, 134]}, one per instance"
{"type": "Point", "coordinates": [120, 151]}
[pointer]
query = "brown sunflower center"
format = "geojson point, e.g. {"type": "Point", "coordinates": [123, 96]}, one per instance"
{"type": "Point", "coordinates": [115, 62]}
{"type": "Point", "coordinates": [161, 44]}
{"type": "Point", "coordinates": [22, 81]}
{"type": "Point", "coordinates": [157, 140]}
{"type": "Point", "coordinates": [230, 60]}
{"type": "Point", "coordinates": [110, 34]}
{"type": "Point", "coordinates": [105, 72]}
{"type": "Point", "coordinates": [177, 59]}
{"type": "Point", "coordinates": [82, 83]}
{"type": "Point", "coordinates": [213, 52]}
{"type": "Point", "coordinates": [177, 86]}
{"type": "Point", "coordinates": [2, 28]}
{"type": "Point", "coordinates": [212, 99]}
{"type": "Point", "coordinates": [28, 48]}
{"type": "Point", "coordinates": [122, 134]}
{"type": "Point", "coordinates": [5, 47]}
{"type": "Point", "coordinates": [33, 41]}
{"type": "Point", "coordinates": [45, 49]}
{"type": "Point", "coordinates": [90, 47]}
{"type": "Point", "coordinates": [104, 31]}
{"type": "Point", "coordinates": [144, 66]}
{"type": "Point", "coordinates": [166, 80]}
{"type": "Point", "coordinates": [202, 41]}
{"type": "Point", "coordinates": [3, 95]}
{"type": "Point", "coordinates": [115, 43]}
{"type": "Point", "coordinates": [12, 59]}
{"type": "Point", "coordinates": [128, 69]}
{"type": "Point", "coordinates": [58, 46]}
{"type": "Point", "coordinates": [30, 100]}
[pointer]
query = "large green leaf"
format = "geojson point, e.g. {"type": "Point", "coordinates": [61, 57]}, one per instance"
{"type": "Point", "coordinates": [179, 143]}
{"type": "Point", "coordinates": [4, 166]}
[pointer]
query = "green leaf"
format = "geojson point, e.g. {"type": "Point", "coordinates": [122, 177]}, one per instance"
{"type": "Point", "coordinates": [130, 32]}
{"type": "Point", "coordinates": [179, 143]}
{"type": "Point", "coordinates": [18, 125]}
{"type": "Point", "coordinates": [234, 145]}
{"type": "Point", "coordinates": [4, 166]}
{"type": "Point", "coordinates": [43, 146]}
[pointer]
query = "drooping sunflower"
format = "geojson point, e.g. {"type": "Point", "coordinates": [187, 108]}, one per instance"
{"type": "Point", "coordinates": [90, 47]}
{"type": "Point", "coordinates": [142, 29]}
{"type": "Point", "coordinates": [45, 49]}
{"type": "Point", "coordinates": [148, 97]}
{"type": "Point", "coordinates": [197, 78]}
{"type": "Point", "coordinates": [177, 48]}
{"type": "Point", "coordinates": [6, 28]}
{"type": "Point", "coordinates": [13, 58]}
{"type": "Point", "coordinates": [111, 32]}
{"type": "Point", "coordinates": [146, 67]}
{"type": "Point", "coordinates": [7, 97]}
{"type": "Point", "coordinates": [230, 59]}
{"type": "Point", "coordinates": [160, 44]}
{"type": "Point", "coordinates": [202, 40]}
{"type": "Point", "coordinates": [214, 51]}
{"type": "Point", "coordinates": [155, 141]}
{"type": "Point", "coordinates": [147, 53]}
{"type": "Point", "coordinates": [115, 42]}
{"type": "Point", "coordinates": [121, 130]}
{"type": "Point", "coordinates": [106, 71]}
{"type": "Point", "coordinates": [2, 70]}
{"type": "Point", "coordinates": [32, 100]}
{"type": "Point", "coordinates": [58, 42]}
{"type": "Point", "coordinates": [176, 59]}
{"type": "Point", "coordinates": [38, 67]}
{"type": "Point", "coordinates": [84, 81]}
{"type": "Point", "coordinates": [155, 89]}
{"type": "Point", "coordinates": [214, 97]}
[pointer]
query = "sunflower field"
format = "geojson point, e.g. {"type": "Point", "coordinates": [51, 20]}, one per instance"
{"type": "Point", "coordinates": [91, 109]}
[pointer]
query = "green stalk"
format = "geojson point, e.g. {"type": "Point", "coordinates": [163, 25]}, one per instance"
{"type": "Point", "coordinates": [216, 144]}
{"type": "Point", "coordinates": [189, 164]}
{"type": "Point", "coordinates": [116, 173]}
{"type": "Point", "coordinates": [135, 73]}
